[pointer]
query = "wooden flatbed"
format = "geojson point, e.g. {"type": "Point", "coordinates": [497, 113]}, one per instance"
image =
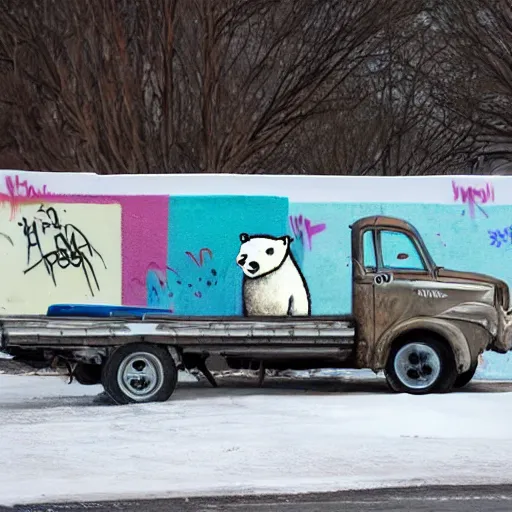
{"type": "Point", "coordinates": [215, 334]}
{"type": "Point", "coordinates": [97, 342]}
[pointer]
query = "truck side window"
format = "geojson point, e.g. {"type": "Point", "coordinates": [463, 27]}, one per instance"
{"type": "Point", "coordinates": [370, 261]}
{"type": "Point", "coordinates": [399, 251]}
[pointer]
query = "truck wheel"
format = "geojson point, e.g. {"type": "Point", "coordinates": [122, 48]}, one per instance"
{"type": "Point", "coordinates": [87, 374]}
{"type": "Point", "coordinates": [464, 379]}
{"type": "Point", "coordinates": [421, 367]}
{"type": "Point", "coordinates": [139, 373]}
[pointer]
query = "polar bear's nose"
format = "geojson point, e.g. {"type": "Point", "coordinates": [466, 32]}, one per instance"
{"type": "Point", "coordinates": [255, 266]}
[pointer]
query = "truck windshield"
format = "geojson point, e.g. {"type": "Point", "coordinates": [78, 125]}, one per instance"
{"type": "Point", "coordinates": [399, 251]}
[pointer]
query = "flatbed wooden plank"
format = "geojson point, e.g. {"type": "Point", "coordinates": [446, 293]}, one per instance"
{"type": "Point", "coordinates": [66, 331]}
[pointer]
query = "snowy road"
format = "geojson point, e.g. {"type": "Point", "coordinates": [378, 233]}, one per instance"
{"type": "Point", "coordinates": [291, 436]}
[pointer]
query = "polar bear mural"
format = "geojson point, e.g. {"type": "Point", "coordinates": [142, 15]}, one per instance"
{"type": "Point", "coordinates": [273, 283]}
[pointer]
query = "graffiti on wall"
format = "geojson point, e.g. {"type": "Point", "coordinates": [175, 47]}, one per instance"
{"type": "Point", "coordinates": [273, 284]}
{"type": "Point", "coordinates": [53, 245]}
{"type": "Point", "coordinates": [473, 197]}
{"type": "Point", "coordinates": [20, 191]}
{"type": "Point", "coordinates": [196, 279]}
{"type": "Point", "coordinates": [304, 230]}
{"type": "Point", "coordinates": [56, 252]}
{"type": "Point", "coordinates": [500, 237]}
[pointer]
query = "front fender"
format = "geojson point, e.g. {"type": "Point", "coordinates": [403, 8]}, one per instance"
{"type": "Point", "coordinates": [478, 313]}
{"type": "Point", "coordinates": [447, 330]}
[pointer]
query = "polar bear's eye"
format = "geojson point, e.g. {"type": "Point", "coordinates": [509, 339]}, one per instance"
{"type": "Point", "coordinates": [270, 251]}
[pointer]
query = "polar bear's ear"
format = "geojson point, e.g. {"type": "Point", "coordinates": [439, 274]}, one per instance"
{"type": "Point", "coordinates": [244, 237]}
{"type": "Point", "coordinates": [287, 240]}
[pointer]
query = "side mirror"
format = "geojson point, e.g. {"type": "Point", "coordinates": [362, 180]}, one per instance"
{"type": "Point", "coordinates": [402, 256]}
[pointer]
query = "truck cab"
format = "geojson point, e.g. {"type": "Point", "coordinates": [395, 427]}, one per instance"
{"type": "Point", "coordinates": [401, 299]}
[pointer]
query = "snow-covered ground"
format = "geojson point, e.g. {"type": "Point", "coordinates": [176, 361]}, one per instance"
{"type": "Point", "coordinates": [56, 443]}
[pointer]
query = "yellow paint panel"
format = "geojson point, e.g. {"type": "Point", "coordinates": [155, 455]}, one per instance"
{"type": "Point", "coordinates": [59, 253]}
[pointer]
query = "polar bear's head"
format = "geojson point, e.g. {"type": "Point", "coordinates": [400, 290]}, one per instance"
{"type": "Point", "coordinates": [260, 255]}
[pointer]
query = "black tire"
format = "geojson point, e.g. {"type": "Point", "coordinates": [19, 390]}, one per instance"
{"type": "Point", "coordinates": [154, 374]}
{"type": "Point", "coordinates": [464, 379]}
{"type": "Point", "coordinates": [447, 374]}
{"type": "Point", "coordinates": [87, 374]}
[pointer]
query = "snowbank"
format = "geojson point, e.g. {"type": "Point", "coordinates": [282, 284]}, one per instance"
{"type": "Point", "coordinates": [57, 444]}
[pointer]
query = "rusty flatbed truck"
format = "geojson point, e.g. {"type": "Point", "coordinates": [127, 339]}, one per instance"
{"type": "Point", "coordinates": [424, 326]}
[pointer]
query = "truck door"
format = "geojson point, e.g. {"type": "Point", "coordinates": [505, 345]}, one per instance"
{"type": "Point", "coordinates": [364, 268]}
{"type": "Point", "coordinates": [399, 265]}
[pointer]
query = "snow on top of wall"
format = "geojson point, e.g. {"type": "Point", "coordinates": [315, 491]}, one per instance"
{"type": "Point", "coordinates": [409, 189]}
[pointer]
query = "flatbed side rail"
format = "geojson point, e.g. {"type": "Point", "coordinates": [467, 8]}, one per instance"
{"type": "Point", "coordinates": [82, 331]}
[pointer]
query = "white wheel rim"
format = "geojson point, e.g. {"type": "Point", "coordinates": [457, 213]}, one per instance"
{"type": "Point", "coordinates": [140, 376]}
{"type": "Point", "coordinates": [417, 365]}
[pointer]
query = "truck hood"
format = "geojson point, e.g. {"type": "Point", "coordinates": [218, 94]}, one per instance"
{"type": "Point", "coordinates": [444, 274]}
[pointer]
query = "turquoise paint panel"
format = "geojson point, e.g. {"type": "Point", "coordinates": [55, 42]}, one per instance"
{"type": "Point", "coordinates": [202, 277]}
{"type": "Point", "coordinates": [454, 239]}
{"type": "Point", "coordinates": [326, 261]}
{"type": "Point", "coordinates": [459, 242]}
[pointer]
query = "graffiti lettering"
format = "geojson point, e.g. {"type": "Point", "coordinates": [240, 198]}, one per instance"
{"type": "Point", "coordinates": [473, 197]}
{"type": "Point", "coordinates": [53, 244]}
{"type": "Point", "coordinates": [498, 237]}
{"type": "Point", "coordinates": [17, 188]}
{"type": "Point", "coordinates": [20, 191]}
{"type": "Point", "coordinates": [304, 230]}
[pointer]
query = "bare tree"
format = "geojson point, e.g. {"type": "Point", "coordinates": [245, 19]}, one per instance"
{"type": "Point", "coordinates": [267, 71]}
{"type": "Point", "coordinates": [216, 86]}
{"type": "Point", "coordinates": [357, 87]}
{"type": "Point", "coordinates": [425, 137]}
{"type": "Point", "coordinates": [398, 126]}
{"type": "Point", "coordinates": [479, 34]}
{"type": "Point", "coordinates": [90, 83]}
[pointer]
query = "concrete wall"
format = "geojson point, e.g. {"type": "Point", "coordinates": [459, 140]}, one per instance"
{"type": "Point", "coordinates": [171, 241]}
